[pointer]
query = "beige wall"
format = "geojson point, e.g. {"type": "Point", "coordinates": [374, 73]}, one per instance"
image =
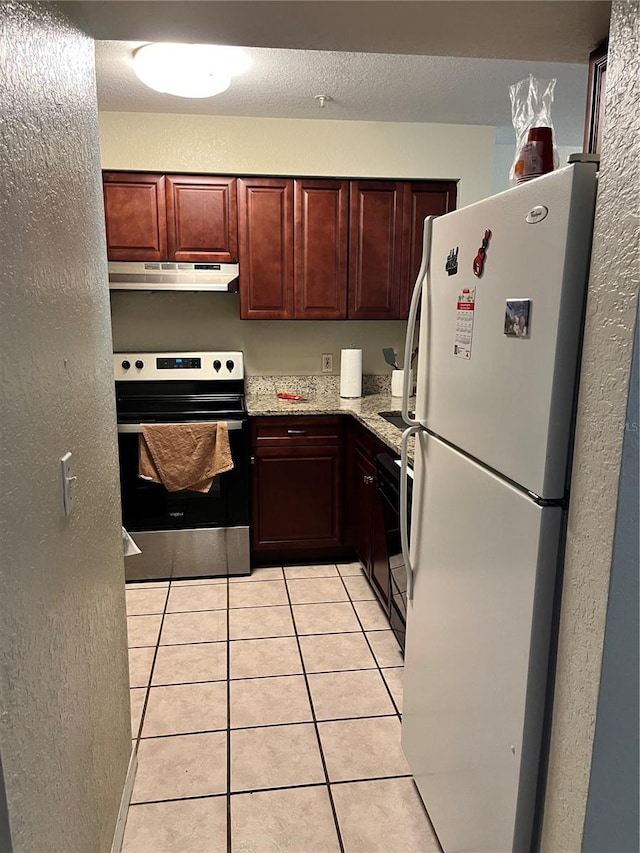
{"type": "Point", "coordinates": [64, 705]}
{"type": "Point", "coordinates": [265, 146]}
{"type": "Point", "coordinates": [280, 147]}
{"type": "Point", "coordinates": [206, 321]}
{"type": "Point", "coordinates": [611, 311]}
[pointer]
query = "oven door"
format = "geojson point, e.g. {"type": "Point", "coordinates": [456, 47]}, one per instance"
{"type": "Point", "coordinates": [149, 506]}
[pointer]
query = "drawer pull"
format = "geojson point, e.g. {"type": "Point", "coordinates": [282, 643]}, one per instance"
{"type": "Point", "coordinates": [296, 432]}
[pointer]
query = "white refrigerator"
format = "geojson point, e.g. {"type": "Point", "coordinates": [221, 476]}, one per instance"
{"type": "Point", "coordinates": [502, 291]}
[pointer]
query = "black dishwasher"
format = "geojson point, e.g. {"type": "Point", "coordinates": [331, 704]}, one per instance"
{"type": "Point", "coordinates": [388, 480]}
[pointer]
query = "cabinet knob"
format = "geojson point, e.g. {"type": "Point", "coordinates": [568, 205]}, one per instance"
{"type": "Point", "coordinates": [369, 479]}
{"type": "Point", "coordinates": [252, 459]}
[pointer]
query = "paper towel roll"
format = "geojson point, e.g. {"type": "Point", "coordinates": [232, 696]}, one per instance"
{"type": "Point", "coordinates": [351, 373]}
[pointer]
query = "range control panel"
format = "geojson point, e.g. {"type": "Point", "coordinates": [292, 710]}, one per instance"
{"type": "Point", "coordinates": [187, 365]}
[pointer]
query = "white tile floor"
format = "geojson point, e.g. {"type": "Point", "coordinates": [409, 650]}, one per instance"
{"type": "Point", "coordinates": [267, 713]}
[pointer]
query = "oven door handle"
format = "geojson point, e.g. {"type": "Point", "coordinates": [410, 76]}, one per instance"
{"type": "Point", "coordinates": [137, 428]}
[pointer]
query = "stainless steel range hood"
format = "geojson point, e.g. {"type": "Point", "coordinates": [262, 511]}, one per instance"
{"type": "Point", "coordinates": [161, 275]}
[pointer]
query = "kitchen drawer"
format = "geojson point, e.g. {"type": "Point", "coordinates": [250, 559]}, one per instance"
{"type": "Point", "coordinates": [298, 431]}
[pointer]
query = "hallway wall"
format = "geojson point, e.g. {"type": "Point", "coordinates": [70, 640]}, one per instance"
{"type": "Point", "coordinates": [64, 705]}
{"type": "Point", "coordinates": [604, 384]}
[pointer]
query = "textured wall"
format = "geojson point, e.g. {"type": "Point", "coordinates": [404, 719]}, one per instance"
{"type": "Point", "coordinates": [264, 146]}
{"type": "Point", "coordinates": [64, 713]}
{"type": "Point", "coordinates": [611, 310]}
{"type": "Point", "coordinates": [612, 821]}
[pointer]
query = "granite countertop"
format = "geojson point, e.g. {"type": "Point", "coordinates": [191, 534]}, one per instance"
{"type": "Point", "coordinates": [364, 409]}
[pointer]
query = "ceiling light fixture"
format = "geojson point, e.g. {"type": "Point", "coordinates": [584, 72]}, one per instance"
{"type": "Point", "coordinates": [189, 70]}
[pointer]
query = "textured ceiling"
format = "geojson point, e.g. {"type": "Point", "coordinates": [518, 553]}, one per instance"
{"type": "Point", "coordinates": [362, 86]}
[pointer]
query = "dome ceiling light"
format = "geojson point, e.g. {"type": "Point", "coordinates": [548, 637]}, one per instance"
{"type": "Point", "coordinates": [189, 70]}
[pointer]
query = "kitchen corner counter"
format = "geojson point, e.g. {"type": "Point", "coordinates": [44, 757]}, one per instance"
{"type": "Point", "coordinates": [363, 409]}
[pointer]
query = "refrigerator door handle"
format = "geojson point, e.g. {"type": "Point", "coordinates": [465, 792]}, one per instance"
{"type": "Point", "coordinates": [404, 524]}
{"type": "Point", "coordinates": [423, 275]}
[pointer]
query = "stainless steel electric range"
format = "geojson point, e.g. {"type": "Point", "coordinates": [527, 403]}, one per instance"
{"type": "Point", "coordinates": [186, 533]}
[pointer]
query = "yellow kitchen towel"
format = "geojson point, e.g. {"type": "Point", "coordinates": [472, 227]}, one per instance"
{"type": "Point", "coordinates": [184, 456]}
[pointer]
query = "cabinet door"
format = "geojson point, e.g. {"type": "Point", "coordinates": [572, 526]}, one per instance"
{"type": "Point", "coordinates": [321, 209]}
{"type": "Point", "coordinates": [135, 216]}
{"type": "Point", "coordinates": [362, 509]}
{"type": "Point", "coordinates": [421, 199]}
{"type": "Point", "coordinates": [202, 218]}
{"type": "Point", "coordinates": [375, 249]}
{"type": "Point", "coordinates": [297, 498]}
{"type": "Point", "coordinates": [265, 216]}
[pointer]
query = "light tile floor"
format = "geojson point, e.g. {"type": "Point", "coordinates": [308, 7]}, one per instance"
{"type": "Point", "coordinates": [266, 712]}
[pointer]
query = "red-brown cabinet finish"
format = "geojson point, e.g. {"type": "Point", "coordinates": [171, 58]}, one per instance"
{"type": "Point", "coordinates": [265, 220]}
{"type": "Point", "coordinates": [202, 219]}
{"type": "Point", "coordinates": [297, 484]}
{"type": "Point", "coordinates": [365, 520]}
{"type": "Point", "coordinates": [363, 474]}
{"type": "Point", "coordinates": [421, 199]}
{"type": "Point", "coordinates": [321, 215]}
{"type": "Point", "coordinates": [375, 249]}
{"type": "Point", "coordinates": [135, 216]}
{"type": "Point", "coordinates": [297, 498]}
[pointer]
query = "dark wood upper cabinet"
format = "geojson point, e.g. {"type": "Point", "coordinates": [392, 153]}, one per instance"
{"type": "Point", "coordinates": [421, 199]}
{"type": "Point", "coordinates": [135, 216]}
{"type": "Point", "coordinates": [202, 223]}
{"type": "Point", "coordinates": [594, 119]}
{"type": "Point", "coordinates": [308, 248]}
{"type": "Point", "coordinates": [375, 249]}
{"type": "Point", "coordinates": [321, 236]}
{"type": "Point", "coordinates": [265, 219]}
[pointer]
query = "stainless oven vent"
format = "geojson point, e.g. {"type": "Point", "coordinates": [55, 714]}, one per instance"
{"type": "Point", "coordinates": [161, 276]}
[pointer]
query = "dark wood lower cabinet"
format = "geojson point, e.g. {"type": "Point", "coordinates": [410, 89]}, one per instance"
{"type": "Point", "coordinates": [297, 486]}
{"type": "Point", "coordinates": [368, 531]}
{"type": "Point", "coordinates": [315, 494]}
{"type": "Point", "coordinates": [297, 500]}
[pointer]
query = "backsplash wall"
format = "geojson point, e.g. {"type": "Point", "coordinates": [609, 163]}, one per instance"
{"type": "Point", "coordinates": [209, 321]}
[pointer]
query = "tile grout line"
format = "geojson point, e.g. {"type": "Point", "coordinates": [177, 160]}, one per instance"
{"type": "Point", "coordinates": [228, 793]}
{"type": "Point", "coordinates": [270, 725]}
{"type": "Point", "coordinates": [347, 600]}
{"type": "Point", "coordinates": [378, 667]}
{"type": "Point", "coordinates": [276, 788]}
{"type": "Point", "coordinates": [138, 737]}
{"type": "Point", "coordinates": [257, 677]}
{"type": "Point", "coordinates": [315, 725]}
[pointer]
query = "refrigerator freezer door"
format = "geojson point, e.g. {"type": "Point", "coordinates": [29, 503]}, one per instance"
{"type": "Point", "coordinates": [477, 646]}
{"type": "Point", "coordinates": [510, 403]}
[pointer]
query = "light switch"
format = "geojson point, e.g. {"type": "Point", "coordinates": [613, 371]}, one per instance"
{"type": "Point", "coordinates": [68, 483]}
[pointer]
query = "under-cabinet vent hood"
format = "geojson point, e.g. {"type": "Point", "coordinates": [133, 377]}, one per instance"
{"type": "Point", "coordinates": [158, 275]}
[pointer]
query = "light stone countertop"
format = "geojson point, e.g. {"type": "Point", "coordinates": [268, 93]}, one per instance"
{"type": "Point", "coordinates": [363, 409]}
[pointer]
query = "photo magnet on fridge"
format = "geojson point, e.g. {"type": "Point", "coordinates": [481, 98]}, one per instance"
{"type": "Point", "coordinates": [516, 318]}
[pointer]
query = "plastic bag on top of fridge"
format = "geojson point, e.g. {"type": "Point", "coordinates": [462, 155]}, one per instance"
{"type": "Point", "coordinates": [536, 152]}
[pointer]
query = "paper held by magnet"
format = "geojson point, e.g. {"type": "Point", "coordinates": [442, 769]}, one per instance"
{"type": "Point", "coordinates": [465, 311]}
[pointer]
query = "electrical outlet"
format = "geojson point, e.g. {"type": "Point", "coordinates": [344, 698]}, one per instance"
{"type": "Point", "coordinates": [327, 362]}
